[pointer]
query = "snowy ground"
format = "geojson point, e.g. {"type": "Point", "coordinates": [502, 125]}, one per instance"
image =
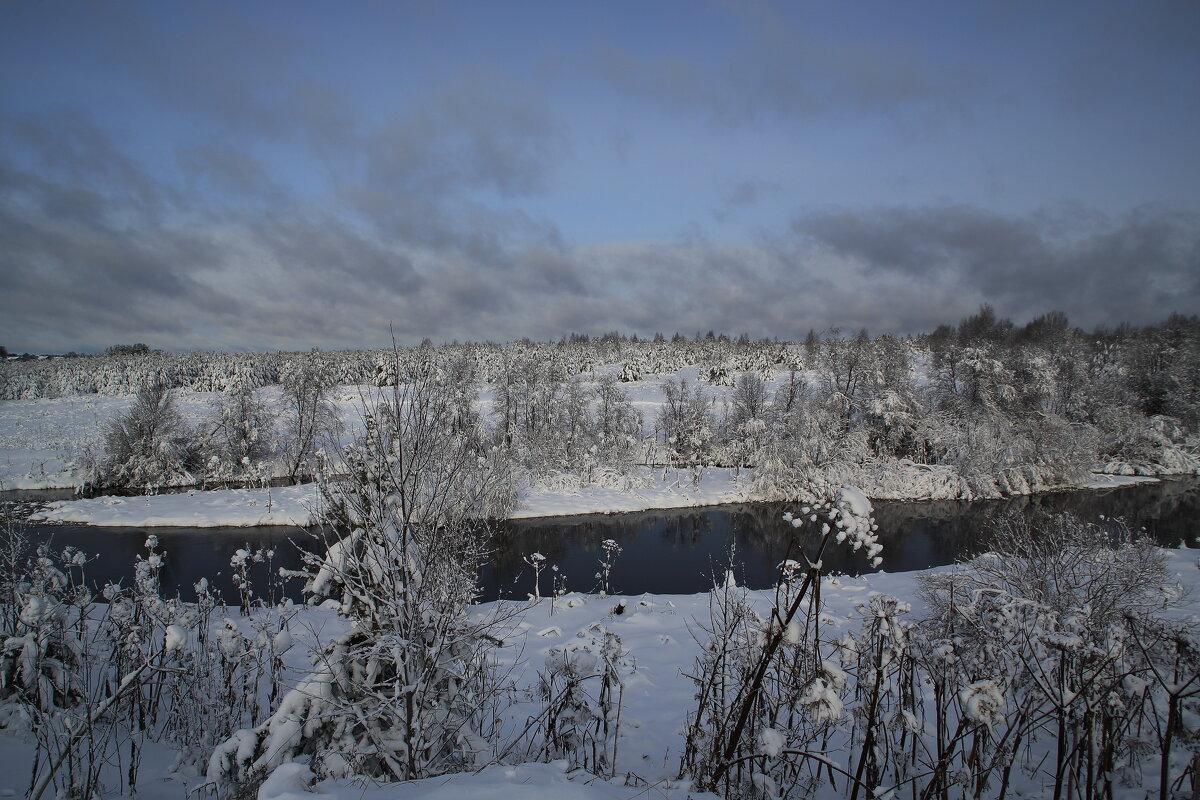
{"type": "Point", "coordinates": [1100, 481]}
{"type": "Point", "coordinates": [295, 505]}
{"type": "Point", "coordinates": [223, 508]}
{"type": "Point", "coordinates": [656, 630]}
{"type": "Point", "coordinates": [44, 444]}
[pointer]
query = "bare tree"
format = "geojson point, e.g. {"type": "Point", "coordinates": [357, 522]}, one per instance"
{"type": "Point", "coordinates": [243, 430]}
{"type": "Point", "coordinates": [308, 415]}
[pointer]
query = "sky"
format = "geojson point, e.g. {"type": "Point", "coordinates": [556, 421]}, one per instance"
{"type": "Point", "coordinates": [287, 175]}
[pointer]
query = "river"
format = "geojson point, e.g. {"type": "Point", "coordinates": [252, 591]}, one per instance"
{"type": "Point", "coordinates": [676, 551]}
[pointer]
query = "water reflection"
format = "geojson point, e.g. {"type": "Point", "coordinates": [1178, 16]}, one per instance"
{"type": "Point", "coordinates": [681, 551]}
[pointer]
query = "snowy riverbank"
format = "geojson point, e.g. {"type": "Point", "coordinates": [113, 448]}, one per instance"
{"type": "Point", "coordinates": [295, 505]}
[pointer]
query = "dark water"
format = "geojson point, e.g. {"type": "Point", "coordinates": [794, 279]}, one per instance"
{"type": "Point", "coordinates": [665, 552]}
{"type": "Point", "coordinates": [680, 552]}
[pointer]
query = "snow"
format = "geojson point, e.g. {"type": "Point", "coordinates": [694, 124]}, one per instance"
{"type": "Point", "coordinates": [657, 632]}
{"type": "Point", "coordinates": [1100, 480]}
{"type": "Point", "coordinates": [221, 508]}
{"type": "Point", "coordinates": [293, 505]}
{"type": "Point", "coordinates": [772, 742]}
{"type": "Point", "coordinates": [176, 637]}
{"type": "Point", "coordinates": [553, 781]}
{"type": "Point", "coordinates": [43, 442]}
{"type": "Point", "coordinates": [651, 488]}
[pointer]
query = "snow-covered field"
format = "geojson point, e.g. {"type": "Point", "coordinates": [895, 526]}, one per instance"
{"type": "Point", "coordinates": [656, 631]}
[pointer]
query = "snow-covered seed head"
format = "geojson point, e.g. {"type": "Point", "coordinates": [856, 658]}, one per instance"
{"type": "Point", "coordinates": [983, 702]}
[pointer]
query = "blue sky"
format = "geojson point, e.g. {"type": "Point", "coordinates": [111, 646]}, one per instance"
{"type": "Point", "coordinates": [287, 175]}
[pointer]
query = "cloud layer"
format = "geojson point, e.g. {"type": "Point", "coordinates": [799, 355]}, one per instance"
{"type": "Point", "coordinates": [208, 177]}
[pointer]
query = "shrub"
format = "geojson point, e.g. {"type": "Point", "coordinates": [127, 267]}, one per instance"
{"type": "Point", "coordinates": [150, 445]}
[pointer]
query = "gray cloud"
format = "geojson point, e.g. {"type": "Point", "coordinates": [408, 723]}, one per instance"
{"type": "Point", "coordinates": [776, 69]}
{"type": "Point", "coordinates": [481, 132]}
{"type": "Point", "coordinates": [1100, 269]}
{"type": "Point", "coordinates": [432, 239]}
{"type": "Point", "coordinates": [745, 195]}
{"type": "Point", "coordinates": [230, 171]}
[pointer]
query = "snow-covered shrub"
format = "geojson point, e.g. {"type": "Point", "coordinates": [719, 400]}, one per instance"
{"type": "Point", "coordinates": [532, 408]}
{"type": "Point", "coordinates": [719, 374]}
{"type": "Point", "coordinates": [1049, 644]}
{"type": "Point", "coordinates": [405, 692]}
{"type": "Point", "coordinates": [150, 445]}
{"type": "Point", "coordinates": [581, 689]}
{"type": "Point", "coordinates": [610, 550]}
{"type": "Point", "coordinates": [807, 447]}
{"type": "Point", "coordinates": [880, 667]}
{"type": "Point", "coordinates": [685, 423]}
{"type": "Point", "coordinates": [561, 431]}
{"type": "Point", "coordinates": [766, 693]}
{"type": "Point", "coordinates": [94, 682]}
{"type": "Point", "coordinates": [616, 428]}
{"type": "Point", "coordinates": [242, 563]}
{"type": "Point", "coordinates": [41, 651]}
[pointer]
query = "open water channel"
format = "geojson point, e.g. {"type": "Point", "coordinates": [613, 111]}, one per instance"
{"type": "Point", "coordinates": [663, 552]}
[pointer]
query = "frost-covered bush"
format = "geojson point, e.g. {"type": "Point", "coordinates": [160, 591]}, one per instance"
{"type": "Point", "coordinates": [807, 446]}
{"type": "Point", "coordinates": [767, 699]}
{"type": "Point", "coordinates": [407, 691]}
{"type": "Point", "coordinates": [150, 445]}
{"type": "Point", "coordinates": [685, 423]}
{"type": "Point", "coordinates": [558, 429]}
{"type": "Point", "coordinates": [93, 682]}
{"type": "Point", "coordinates": [1044, 668]}
{"type": "Point", "coordinates": [1047, 665]}
{"type": "Point", "coordinates": [309, 418]}
{"type": "Point", "coordinates": [581, 690]}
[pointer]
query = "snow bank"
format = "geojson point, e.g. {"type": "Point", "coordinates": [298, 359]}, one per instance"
{"type": "Point", "coordinates": [649, 488]}
{"type": "Point", "coordinates": [223, 508]}
{"type": "Point", "coordinates": [1102, 481]}
{"type": "Point", "coordinates": [528, 781]}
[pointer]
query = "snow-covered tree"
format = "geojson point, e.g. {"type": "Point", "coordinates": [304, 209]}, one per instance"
{"type": "Point", "coordinates": [242, 431]}
{"type": "Point", "coordinates": [685, 422]}
{"type": "Point", "coordinates": [150, 445]}
{"type": "Point", "coordinates": [405, 692]}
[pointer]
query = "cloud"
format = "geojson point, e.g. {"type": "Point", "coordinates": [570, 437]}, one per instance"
{"type": "Point", "coordinates": [1099, 269]}
{"type": "Point", "coordinates": [763, 65]}
{"type": "Point", "coordinates": [292, 277]}
{"type": "Point", "coordinates": [479, 133]}
{"type": "Point", "coordinates": [745, 195]}
{"type": "Point", "coordinates": [229, 171]}
{"type": "Point", "coordinates": [98, 250]}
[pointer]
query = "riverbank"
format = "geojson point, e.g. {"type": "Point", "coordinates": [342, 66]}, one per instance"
{"type": "Point", "coordinates": [649, 489]}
